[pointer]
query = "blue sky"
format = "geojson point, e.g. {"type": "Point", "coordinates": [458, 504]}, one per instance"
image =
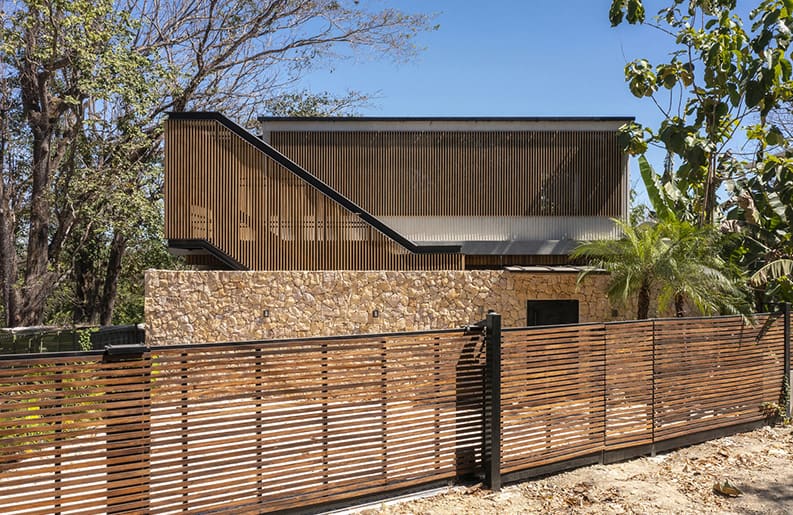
{"type": "Point", "coordinates": [510, 58]}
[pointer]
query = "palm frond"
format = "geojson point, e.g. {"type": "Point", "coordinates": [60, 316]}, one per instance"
{"type": "Point", "coordinates": [771, 271]}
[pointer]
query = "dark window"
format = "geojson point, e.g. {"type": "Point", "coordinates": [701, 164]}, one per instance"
{"type": "Point", "coordinates": [551, 312]}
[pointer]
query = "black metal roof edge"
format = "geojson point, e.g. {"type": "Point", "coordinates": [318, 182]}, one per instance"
{"type": "Point", "coordinates": [263, 118]}
{"type": "Point", "coordinates": [314, 181]}
{"type": "Point", "coordinates": [188, 244]}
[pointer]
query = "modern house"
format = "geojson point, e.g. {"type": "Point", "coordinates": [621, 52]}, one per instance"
{"type": "Point", "coordinates": [322, 226]}
{"type": "Point", "coordinates": [390, 193]}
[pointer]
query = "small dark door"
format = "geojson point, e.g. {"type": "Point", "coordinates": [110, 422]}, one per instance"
{"type": "Point", "coordinates": [551, 312]}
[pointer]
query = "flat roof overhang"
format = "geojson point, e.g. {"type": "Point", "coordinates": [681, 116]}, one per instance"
{"type": "Point", "coordinates": [554, 269]}
{"type": "Point", "coordinates": [444, 123]}
{"type": "Point", "coordinates": [518, 247]}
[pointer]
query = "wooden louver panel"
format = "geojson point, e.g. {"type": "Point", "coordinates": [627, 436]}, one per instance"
{"type": "Point", "coordinates": [222, 189]}
{"type": "Point", "coordinates": [72, 434]}
{"type": "Point", "coordinates": [255, 428]}
{"type": "Point", "coordinates": [493, 173]}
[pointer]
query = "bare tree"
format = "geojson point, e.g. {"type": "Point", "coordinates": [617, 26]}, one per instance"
{"type": "Point", "coordinates": [94, 86]}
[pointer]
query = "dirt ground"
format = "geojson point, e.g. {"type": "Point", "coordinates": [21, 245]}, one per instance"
{"type": "Point", "coordinates": [759, 464]}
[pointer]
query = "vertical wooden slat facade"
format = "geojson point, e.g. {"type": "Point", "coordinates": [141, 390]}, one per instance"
{"type": "Point", "coordinates": [467, 173]}
{"type": "Point", "coordinates": [223, 190]}
{"type": "Point", "coordinates": [268, 426]}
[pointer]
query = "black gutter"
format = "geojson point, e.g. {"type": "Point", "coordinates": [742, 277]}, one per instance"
{"type": "Point", "coordinates": [318, 184]}
{"type": "Point", "coordinates": [447, 118]}
{"type": "Point", "coordinates": [210, 249]}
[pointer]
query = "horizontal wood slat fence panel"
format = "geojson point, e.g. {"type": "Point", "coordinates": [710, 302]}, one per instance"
{"type": "Point", "coordinates": [221, 189]}
{"type": "Point", "coordinates": [73, 432]}
{"type": "Point", "coordinates": [241, 427]}
{"type": "Point", "coordinates": [629, 385]}
{"type": "Point", "coordinates": [571, 391]}
{"type": "Point", "coordinates": [306, 422]}
{"type": "Point", "coordinates": [526, 173]}
{"type": "Point", "coordinates": [275, 425]}
{"type": "Point", "coordinates": [552, 390]}
{"type": "Point", "coordinates": [714, 372]}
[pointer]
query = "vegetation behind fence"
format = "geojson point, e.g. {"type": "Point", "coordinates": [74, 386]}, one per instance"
{"type": "Point", "coordinates": [30, 340]}
{"type": "Point", "coordinates": [266, 426]}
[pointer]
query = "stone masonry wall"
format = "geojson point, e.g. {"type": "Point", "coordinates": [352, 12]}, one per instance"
{"type": "Point", "coordinates": [213, 306]}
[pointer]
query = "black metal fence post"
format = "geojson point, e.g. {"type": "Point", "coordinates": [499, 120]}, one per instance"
{"type": "Point", "coordinates": [787, 380]}
{"type": "Point", "coordinates": [491, 455]}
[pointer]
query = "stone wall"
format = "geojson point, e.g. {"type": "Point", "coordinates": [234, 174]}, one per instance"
{"type": "Point", "coordinates": [210, 306]}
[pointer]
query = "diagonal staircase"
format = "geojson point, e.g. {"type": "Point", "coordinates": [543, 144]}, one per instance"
{"type": "Point", "coordinates": [233, 201]}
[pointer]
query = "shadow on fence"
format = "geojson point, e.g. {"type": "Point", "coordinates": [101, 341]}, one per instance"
{"type": "Point", "coordinates": [309, 424]}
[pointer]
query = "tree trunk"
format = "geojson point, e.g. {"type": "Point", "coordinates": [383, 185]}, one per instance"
{"type": "Point", "coordinates": [117, 249]}
{"type": "Point", "coordinates": [8, 257]}
{"type": "Point", "coordinates": [86, 289]}
{"type": "Point", "coordinates": [38, 280]}
{"type": "Point", "coordinates": [680, 305]}
{"type": "Point", "coordinates": [643, 302]}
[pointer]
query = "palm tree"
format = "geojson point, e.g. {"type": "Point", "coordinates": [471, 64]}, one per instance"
{"type": "Point", "coordinates": [695, 271]}
{"type": "Point", "coordinates": [673, 257]}
{"type": "Point", "coordinates": [631, 261]}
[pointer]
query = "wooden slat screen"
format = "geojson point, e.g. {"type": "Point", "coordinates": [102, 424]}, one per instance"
{"type": "Point", "coordinates": [305, 422]}
{"type": "Point", "coordinates": [72, 434]}
{"type": "Point", "coordinates": [629, 384]}
{"type": "Point", "coordinates": [242, 427]}
{"type": "Point", "coordinates": [552, 394]}
{"type": "Point", "coordinates": [221, 189]}
{"type": "Point", "coordinates": [711, 373]}
{"type": "Point", "coordinates": [577, 390]}
{"type": "Point", "coordinates": [266, 426]}
{"type": "Point", "coordinates": [467, 173]}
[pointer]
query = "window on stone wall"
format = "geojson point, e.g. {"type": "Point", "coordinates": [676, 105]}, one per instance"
{"type": "Point", "coordinates": [551, 312]}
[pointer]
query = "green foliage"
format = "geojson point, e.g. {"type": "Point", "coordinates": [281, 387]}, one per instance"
{"type": "Point", "coordinates": [721, 74]}
{"type": "Point", "coordinates": [305, 103]}
{"type": "Point", "coordinates": [632, 10]}
{"type": "Point", "coordinates": [144, 254]}
{"type": "Point", "coordinates": [632, 262]}
{"type": "Point", "coordinates": [655, 191]}
{"type": "Point", "coordinates": [84, 338]}
{"type": "Point", "coordinates": [723, 78]}
{"type": "Point", "coordinates": [675, 259]}
{"type": "Point", "coordinates": [44, 388]}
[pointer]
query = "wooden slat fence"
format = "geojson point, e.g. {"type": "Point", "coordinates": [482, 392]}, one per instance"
{"type": "Point", "coordinates": [268, 426]}
{"type": "Point", "coordinates": [74, 435]}
{"type": "Point", "coordinates": [714, 372]}
{"type": "Point", "coordinates": [552, 394]}
{"type": "Point", "coordinates": [242, 427]}
{"type": "Point", "coordinates": [586, 390]}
